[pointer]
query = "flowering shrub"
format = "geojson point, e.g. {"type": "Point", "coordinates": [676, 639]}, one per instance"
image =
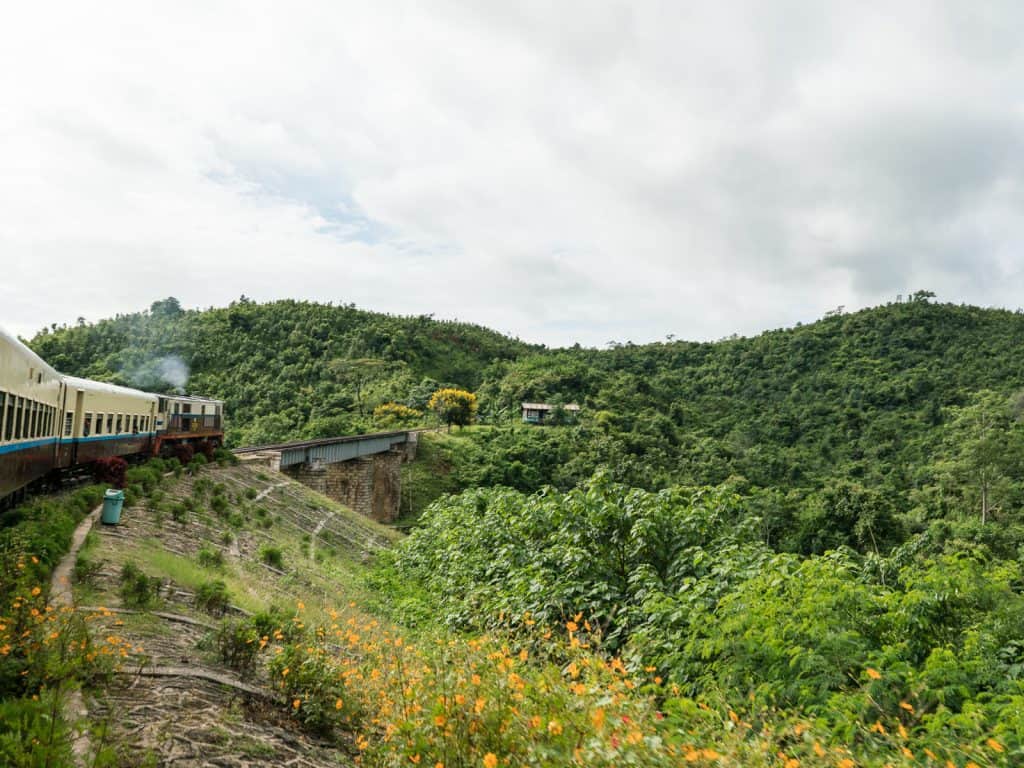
{"type": "Point", "coordinates": [111, 470]}
{"type": "Point", "coordinates": [396, 414]}
{"type": "Point", "coordinates": [44, 651]}
{"type": "Point", "coordinates": [551, 698]}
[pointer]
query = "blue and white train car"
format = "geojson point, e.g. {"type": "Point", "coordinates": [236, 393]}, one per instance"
{"type": "Point", "coordinates": [50, 422]}
{"type": "Point", "coordinates": [30, 406]}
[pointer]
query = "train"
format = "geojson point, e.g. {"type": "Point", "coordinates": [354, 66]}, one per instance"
{"type": "Point", "coordinates": [51, 423]}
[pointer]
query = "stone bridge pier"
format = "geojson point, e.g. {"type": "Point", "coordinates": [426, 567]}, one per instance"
{"type": "Point", "coordinates": [362, 472]}
{"type": "Point", "coordinates": [371, 485]}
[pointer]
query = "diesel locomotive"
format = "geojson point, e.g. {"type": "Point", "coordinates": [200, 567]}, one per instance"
{"type": "Point", "coordinates": [50, 422]}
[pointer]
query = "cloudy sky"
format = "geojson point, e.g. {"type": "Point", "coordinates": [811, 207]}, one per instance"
{"type": "Point", "coordinates": [570, 171]}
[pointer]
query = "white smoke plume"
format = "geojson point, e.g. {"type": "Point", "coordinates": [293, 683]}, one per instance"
{"type": "Point", "coordinates": [159, 373]}
{"type": "Point", "coordinates": [174, 371]}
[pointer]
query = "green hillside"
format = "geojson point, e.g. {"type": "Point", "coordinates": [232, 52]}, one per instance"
{"type": "Point", "coordinates": [287, 369]}
{"type": "Point", "coordinates": [884, 398]}
{"type": "Point", "coordinates": [803, 548]}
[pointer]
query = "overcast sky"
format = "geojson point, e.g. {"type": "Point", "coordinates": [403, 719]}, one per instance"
{"type": "Point", "coordinates": [560, 171]}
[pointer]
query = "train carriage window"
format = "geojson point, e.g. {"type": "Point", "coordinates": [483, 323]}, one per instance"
{"type": "Point", "coordinates": [87, 425]}
{"type": "Point", "coordinates": [12, 406]}
{"type": "Point", "coordinates": [19, 414]}
{"type": "Point", "coordinates": [49, 421]}
{"type": "Point", "coordinates": [99, 423]}
{"type": "Point", "coordinates": [69, 420]}
{"type": "Point", "coordinates": [110, 423]}
{"type": "Point", "coordinates": [33, 418]}
{"type": "Point", "coordinates": [120, 423]}
{"type": "Point", "coordinates": [3, 413]}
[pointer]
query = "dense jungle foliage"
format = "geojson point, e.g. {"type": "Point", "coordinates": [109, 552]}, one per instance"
{"type": "Point", "coordinates": [903, 409]}
{"type": "Point", "coordinates": [820, 526]}
{"type": "Point", "coordinates": [922, 645]}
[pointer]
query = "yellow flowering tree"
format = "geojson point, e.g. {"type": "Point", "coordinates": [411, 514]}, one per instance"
{"type": "Point", "coordinates": [395, 414]}
{"type": "Point", "coordinates": [454, 406]}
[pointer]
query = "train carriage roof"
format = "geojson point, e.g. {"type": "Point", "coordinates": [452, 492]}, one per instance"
{"type": "Point", "coordinates": [74, 382]}
{"type": "Point", "coordinates": [34, 360]}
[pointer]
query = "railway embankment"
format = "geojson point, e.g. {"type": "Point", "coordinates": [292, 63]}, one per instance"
{"type": "Point", "coordinates": [203, 568]}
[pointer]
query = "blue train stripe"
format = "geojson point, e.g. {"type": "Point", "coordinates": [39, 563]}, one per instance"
{"type": "Point", "coordinates": [50, 440]}
{"type": "Point", "coordinates": [96, 438]}
{"type": "Point", "coordinates": [25, 446]}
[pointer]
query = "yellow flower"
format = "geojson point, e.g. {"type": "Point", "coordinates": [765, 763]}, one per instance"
{"type": "Point", "coordinates": [338, 704]}
{"type": "Point", "coordinates": [873, 673]}
{"type": "Point", "coordinates": [906, 706]}
{"type": "Point", "coordinates": [846, 763]}
{"type": "Point", "coordinates": [993, 744]}
{"type": "Point", "coordinates": [597, 718]}
{"type": "Point", "coordinates": [572, 626]}
{"type": "Point", "coordinates": [297, 703]}
{"type": "Point", "coordinates": [555, 728]}
{"type": "Point", "coordinates": [36, 591]}
{"type": "Point", "coordinates": [490, 760]}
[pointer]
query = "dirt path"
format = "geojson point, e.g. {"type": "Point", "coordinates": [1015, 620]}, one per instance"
{"type": "Point", "coordinates": [75, 710]}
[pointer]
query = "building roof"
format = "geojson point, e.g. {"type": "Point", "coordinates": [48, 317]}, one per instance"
{"type": "Point", "coordinates": [549, 407]}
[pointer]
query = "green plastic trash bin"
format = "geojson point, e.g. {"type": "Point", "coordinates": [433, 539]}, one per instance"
{"type": "Point", "coordinates": [112, 503]}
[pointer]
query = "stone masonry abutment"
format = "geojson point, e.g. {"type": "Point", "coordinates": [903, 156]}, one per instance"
{"type": "Point", "coordinates": [371, 485]}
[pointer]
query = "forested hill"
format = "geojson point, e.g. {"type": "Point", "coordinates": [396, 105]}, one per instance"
{"type": "Point", "coordinates": [884, 397]}
{"type": "Point", "coordinates": [286, 368]}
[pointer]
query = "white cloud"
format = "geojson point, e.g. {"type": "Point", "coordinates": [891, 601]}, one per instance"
{"type": "Point", "coordinates": [563, 172]}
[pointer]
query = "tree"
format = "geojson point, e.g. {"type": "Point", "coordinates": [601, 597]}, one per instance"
{"type": "Point", "coordinates": [358, 372]}
{"type": "Point", "coordinates": [985, 449]}
{"type": "Point", "coordinates": [169, 307]}
{"type": "Point", "coordinates": [454, 406]}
